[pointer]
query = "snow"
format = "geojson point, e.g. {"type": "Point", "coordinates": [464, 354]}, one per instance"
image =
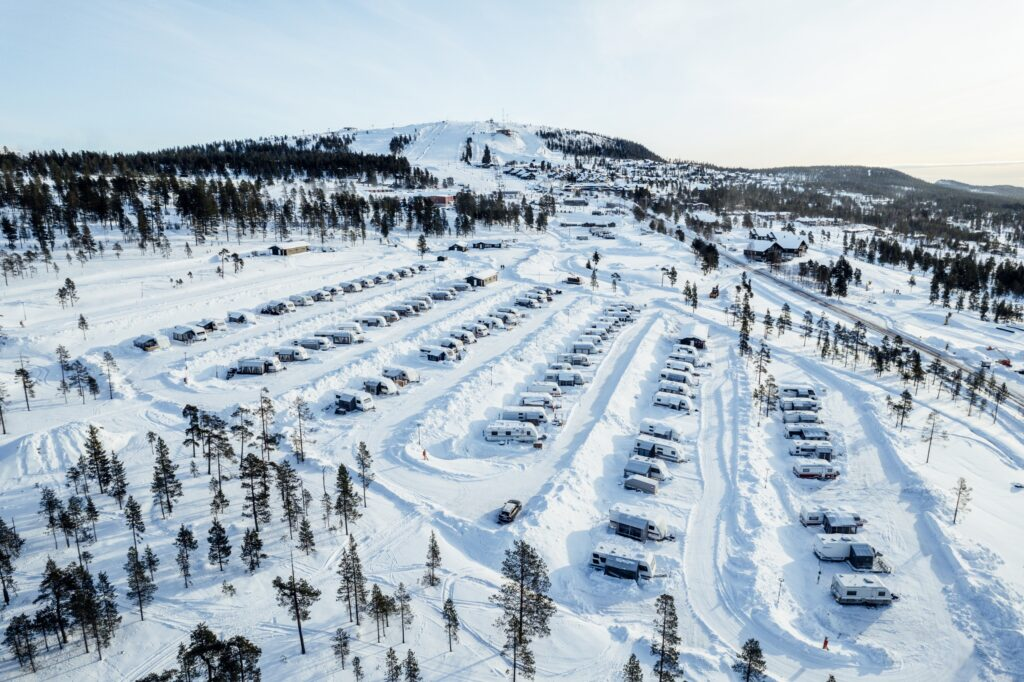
{"type": "Point", "coordinates": [740, 566]}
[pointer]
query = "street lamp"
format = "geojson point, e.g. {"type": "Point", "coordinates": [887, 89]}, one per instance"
{"type": "Point", "coordinates": [419, 440]}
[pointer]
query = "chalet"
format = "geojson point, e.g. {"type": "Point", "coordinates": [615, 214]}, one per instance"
{"type": "Point", "coordinates": [488, 244]}
{"type": "Point", "coordinates": [459, 246]}
{"type": "Point", "coordinates": [442, 200]}
{"type": "Point", "coordinates": [757, 233]}
{"type": "Point", "coordinates": [793, 245]}
{"type": "Point", "coordinates": [763, 250]}
{"type": "Point", "coordinates": [289, 248]}
{"type": "Point", "coordinates": [484, 278]}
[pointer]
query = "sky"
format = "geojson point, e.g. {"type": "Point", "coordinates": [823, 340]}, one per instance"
{"type": "Point", "coordinates": [930, 87]}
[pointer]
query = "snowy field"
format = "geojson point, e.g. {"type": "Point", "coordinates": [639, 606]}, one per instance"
{"type": "Point", "coordinates": [740, 566]}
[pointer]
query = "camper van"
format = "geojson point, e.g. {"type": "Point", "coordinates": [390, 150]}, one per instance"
{"type": "Point", "coordinates": [340, 336]}
{"type": "Point", "coordinates": [531, 399]}
{"type": "Point", "coordinates": [677, 387]}
{"type": "Point", "coordinates": [798, 405]}
{"type": "Point", "coordinates": [853, 588]}
{"type": "Point", "coordinates": [652, 446]}
{"type": "Point", "coordinates": [436, 354]}
{"type": "Point", "coordinates": [650, 427]}
{"type": "Point", "coordinates": [692, 360]}
{"type": "Point", "coordinates": [240, 317]}
{"type": "Point", "coordinates": [188, 334]}
{"type": "Point", "coordinates": [591, 338]}
{"type": "Point", "coordinates": [679, 377]}
{"type": "Point", "coordinates": [645, 466]}
{"type": "Point", "coordinates": [584, 347]}
{"type": "Point", "coordinates": [258, 366]}
{"type": "Point", "coordinates": [673, 401]}
{"type": "Point", "coordinates": [301, 299]}
{"type": "Point", "coordinates": [321, 295]}
{"type": "Point", "coordinates": [800, 417]}
{"type": "Point", "coordinates": [351, 325]}
{"type": "Point", "coordinates": [549, 387]}
{"type": "Point", "coordinates": [466, 337]}
{"type": "Point", "coordinates": [564, 378]}
{"type": "Point", "coordinates": [797, 391]}
{"type": "Point", "coordinates": [622, 561]}
{"type": "Point", "coordinates": [641, 484]}
{"type": "Point", "coordinates": [805, 432]}
{"type": "Point", "coordinates": [380, 386]}
{"type": "Point", "coordinates": [151, 342]}
{"type": "Point", "coordinates": [479, 330]}
{"type": "Point", "coordinates": [351, 287]}
{"type": "Point", "coordinates": [576, 359]}
{"type": "Point", "coordinates": [353, 402]}
{"type": "Point", "coordinates": [505, 430]}
{"type": "Point", "coordinates": [815, 469]}
{"type": "Point", "coordinates": [372, 321]}
{"type": "Point", "coordinates": [315, 342]}
{"type": "Point", "coordinates": [680, 366]}
{"type": "Point", "coordinates": [401, 375]}
{"type": "Point", "coordinates": [367, 282]}
{"type": "Point", "coordinates": [637, 524]}
{"type": "Point", "coordinates": [522, 413]}
{"type": "Point", "coordinates": [821, 449]}
{"type": "Point", "coordinates": [292, 354]}
{"type": "Point", "coordinates": [442, 295]}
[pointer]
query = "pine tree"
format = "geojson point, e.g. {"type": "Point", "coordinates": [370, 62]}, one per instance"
{"type": "Point", "coordinates": [288, 486]}
{"type": "Point", "coordinates": [252, 550]}
{"type": "Point", "coordinates": [377, 606]}
{"type": "Point", "coordinates": [433, 562]}
{"type": "Point", "coordinates": [411, 667]}
{"type": "Point", "coordinates": [220, 547]}
{"type": "Point", "coordinates": [151, 560]}
{"type": "Point", "coordinates": [28, 384]}
{"type": "Point", "coordinates": [357, 669]}
{"type": "Point", "coordinates": [300, 410]}
{"type": "Point", "coordinates": [269, 440]}
{"type": "Point", "coordinates": [253, 472]}
{"type": "Point", "coordinates": [83, 325]}
{"type": "Point", "coordinates": [392, 668]}
{"type": "Point", "coordinates": [84, 606]}
{"type": "Point", "coordinates": [403, 600]}
{"type": "Point", "coordinates": [751, 664]}
{"type": "Point", "coordinates": [525, 605]}
{"type": "Point", "coordinates": [118, 480]}
{"type": "Point", "coordinates": [340, 645]}
{"type": "Point", "coordinates": [352, 589]}
{"type": "Point", "coordinates": [55, 592]}
{"type": "Point", "coordinates": [364, 462]}
{"type": "Point", "coordinates": [109, 619]}
{"type": "Point", "coordinates": [64, 362]}
{"type": "Point", "coordinates": [298, 596]}
{"type": "Point", "coordinates": [963, 497]}
{"type": "Point", "coordinates": [307, 543]}
{"type": "Point", "coordinates": [665, 642]}
{"type": "Point", "coordinates": [133, 519]}
{"type": "Point", "coordinates": [451, 622]}
{"type": "Point", "coordinates": [631, 672]}
{"type": "Point", "coordinates": [20, 638]}
{"type": "Point", "coordinates": [10, 550]}
{"type": "Point", "coordinates": [347, 502]}
{"type": "Point", "coordinates": [140, 587]}
{"type": "Point", "coordinates": [186, 544]}
{"type": "Point", "coordinates": [109, 365]}
{"type": "Point", "coordinates": [96, 455]}
{"type": "Point", "coordinates": [165, 487]}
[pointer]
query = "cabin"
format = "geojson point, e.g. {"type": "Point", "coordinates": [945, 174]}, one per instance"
{"type": "Point", "coordinates": [622, 561]}
{"type": "Point", "coordinates": [488, 244]}
{"type": "Point", "coordinates": [187, 334]}
{"type": "Point", "coordinates": [459, 246]}
{"type": "Point", "coordinates": [441, 200]}
{"type": "Point", "coordinates": [695, 335]}
{"type": "Point", "coordinates": [637, 524]}
{"type": "Point", "coordinates": [791, 245]}
{"type": "Point", "coordinates": [763, 251]}
{"type": "Point", "coordinates": [151, 342]}
{"type": "Point", "coordinates": [481, 279]}
{"type": "Point", "coordinates": [867, 590]}
{"type": "Point", "coordinates": [289, 248]}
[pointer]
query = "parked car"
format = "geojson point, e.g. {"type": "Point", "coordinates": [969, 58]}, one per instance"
{"type": "Point", "coordinates": [509, 511]}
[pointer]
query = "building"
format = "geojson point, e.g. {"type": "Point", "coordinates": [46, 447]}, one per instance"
{"type": "Point", "coordinates": [458, 246]}
{"type": "Point", "coordinates": [763, 250]}
{"type": "Point", "coordinates": [442, 200]}
{"type": "Point", "coordinates": [480, 279]}
{"type": "Point", "coordinates": [289, 248]}
{"type": "Point", "coordinates": [793, 245]}
{"type": "Point", "coordinates": [488, 244]}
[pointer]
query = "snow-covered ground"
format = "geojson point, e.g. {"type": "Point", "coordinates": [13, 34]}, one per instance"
{"type": "Point", "coordinates": [740, 565]}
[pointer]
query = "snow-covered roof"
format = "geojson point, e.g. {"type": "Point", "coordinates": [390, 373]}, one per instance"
{"type": "Point", "coordinates": [790, 241]}
{"type": "Point", "coordinates": [485, 274]}
{"type": "Point", "coordinates": [508, 424]}
{"type": "Point", "coordinates": [855, 580]}
{"type": "Point", "coordinates": [759, 245]}
{"type": "Point", "coordinates": [694, 330]}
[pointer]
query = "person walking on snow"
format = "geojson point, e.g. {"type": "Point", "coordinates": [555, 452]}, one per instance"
{"type": "Point", "coordinates": [825, 645]}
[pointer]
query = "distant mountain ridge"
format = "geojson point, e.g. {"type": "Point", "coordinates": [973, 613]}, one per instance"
{"type": "Point", "coordinates": [1008, 191]}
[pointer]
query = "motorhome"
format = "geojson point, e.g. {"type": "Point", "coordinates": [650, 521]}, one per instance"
{"type": "Point", "coordinates": [522, 413]}
{"type": "Point", "coordinates": [454, 345]}
{"type": "Point", "coordinates": [652, 446]}
{"type": "Point", "coordinates": [585, 348]}
{"type": "Point", "coordinates": [854, 588]}
{"type": "Point", "coordinates": [321, 295]}
{"type": "Point", "coordinates": [340, 336]}
{"type": "Point", "coordinates": [353, 402]}
{"type": "Point", "coordinates": [258, 366]}
{"type": "Point", "coordinates": [637, 524]}
{"type": "Point", "coordinates": [815, 469]}
{"type": "Point", "coordinates": [479, 330]}
{"type": "Point", "coordinates": [679, 377]}
{"type": "Point", "coordinates": [673, 401]}
{"type": "Point", "coordinates": [418, 304]}
{"type": "Point", "coordinates": [503, 430]}
{"type": "Point", "coordinates": [351, 287]}
{"type": "Point", "coordinates": [622, 561]}
{"type": "Point", "coordinates": [463, 335]}
{"type": "Point", "coordinates": [645, 466]}
{"type": "Point", "coordinates": [820, 449]}
{"type": "Point", "coordinates": [442, 295]}
{"type": "Point", "coordinates": [372, 321]}
{"type": "Point", "coordinates": [391, 316]}
{"type": "Point", "coordinates": [659, 429]}
{"type": "Point", "coordinates": [641, 484]}
{"type": "Point", "coordinates": [367, 282]}
{"type": "Point", "coordinates": [401, 375]}
{"type": "Point", "coordinates": [315, 342]}
{"type": "Point", "coordinates": [292, 354]}
{"type": "Point", "coordinates": [491, 322]}
{"type": "Point", "coordinates": [526, 302]}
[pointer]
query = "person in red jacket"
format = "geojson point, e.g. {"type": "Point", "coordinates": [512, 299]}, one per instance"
{"type": "Point", "coordinates": [825, 645]}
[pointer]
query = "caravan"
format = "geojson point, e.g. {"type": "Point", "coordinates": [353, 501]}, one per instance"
{"type": "Point", "coordinates": [521, 413]}
{"type": "Point", "coordinates": [673, 401]}
{"type": "Point", "coordinates": [577, 359]}
{"type": "Point", "coordinates": [585, 348]}
{"type": "Point", "coordinates": [637, 524]}
{"type": "Point", "coordinates": [815, 469]}
{"type": "Point", "coordinates": [372, 321]}
{"type": "Point", "coordinates": [340, 336]}
{"type": "Point", "coordinates": [679, 377]}
{"type": "Point", "coordinates": [381, 386]}
{"type": "Point", "coordinates": [676, 387]}
{"type": "Point", "coordinates": [436, 354]}
{"type": "Point", "coordinates": [151, 342]}
{"type": "Point", "coordinates": [315, 343]}
{"type": "Point", "coordinates": [821, 449]}
{"type": "Point", "coordinates": [641, 484]}
{"type": "Point", "coordinates": [805, 432]}
{"type": "Point", "coordinates": [401, 375]}
{"type": "Point", "coordinates": [622, 561]}
{"type": "Point", "coordinates": [852, 588]}
{"type": "Point", "coordinates": [799, 405]}
{"type": "Point", "coordinates": [652, 446]}
{"type": "Point", "coordinates": [797, 391]}
{"type": "Point", "coordinates": [564, 377]}
{"type": "Point", "coordinates": [292, 354]}
{"type": "Point", "coordinates": [658, 429]}
{"type": "Point", "coordinates": [539, 399]}
{"type": "Point", "coordinates": [353, 402]}
{"type": "Point", "coordinates": [257, 366]}
{"type": "Point", "coordinates": [188, 334]}
{"type": "Point", "coordinates": [800, 417]}
{"type": "Point", "coordinates": [505, 430]}
{"type": "Point", "coordinates": [549, 387]}
{"type": "Point", "coordinates": [647, 467]}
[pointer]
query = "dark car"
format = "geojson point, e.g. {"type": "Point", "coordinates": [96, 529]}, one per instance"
{"type": "Point", "coordinates": [509, 511]}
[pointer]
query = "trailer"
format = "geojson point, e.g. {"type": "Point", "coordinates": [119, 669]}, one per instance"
{"type": "Point", "coordinates": [315, 343]}
{"type": "Point", "coordinates": [466, 337]}
{"type": "Point", "coordinates": [479, 330]}
{"type": "Point", "coordinates": [390, 316]}
{"type": "Point", "coordinates": [866, 590]}
{"type": "Point", "coordinates": [522, 413]}
{"type": "Point", "coordinates": [401, 375]}
{"type": "Point", "coordinates": [622, 560]}
{"type": "Point", "coordinates": [452, 344]}
{"type": "Point", "coordinates": [799, 405]}
{"type": "Point", "coordinates": [805, 432]}
{"type": "Point", "coordinates": [659, 429]}
{"type": "Point", "coordinates": [188, 334]}
{"type": "Point", "coordinates": [436, 354]}
{"type": "Point", "coordinates": [503, 430]}
{"type": "Point", "coordinates": [585, 347]}
{"type": "Point", "coordinates": [257, 366]}
{"type": "Point", "coordinates": [815, 469]}
{"type": "Point", "coordinates": [292, 354]}
{"type": "Point", "coordinates": [549, 387]}
{"type": "Point", "coordinates": [301, 300]}
{"type": "Point", "coordinates": [539, 399]}
{"type": "Point", "coordinates": [151, 342]}
{"type": "Point", "coordinates": [800, 417]}
{"type": "Point", "coordinates": [833, 547]}
{"type": "Point", "coordinates": [637, 524]}
{"type": "Point", "coordinates": [240, 317]}
{"type": "Point", "coordinates": [211, 325]}
{"type": "Point", "coordinates": [819, 449]}
{"type": "Point", "coordinates": [673, 401]}
{"type": "Point", "coordinates": [575, 359]}
{"type": "Point", "coordinates": [839, 522]}
{"type": "Point", "coordinates": [591, 338]}
{"type": "Point", "coordinates": [442, 295]}
{"type": "Point", "coordinates": [564, 378]}
{"type": "Point", "coordinates": [340, 337]}
{"type": "Point", "coordinates": [645, 466]}
{"type": "Point", "coordinates": [676, 387]}
{"type": "Point", "coordinates": [797, 391]}
{"type": "Point", "coordinates": [679, 377]}
{"type": "Point", "coordinates": [351, 287]}
{"type": "Point", "coordinates": [641, 484]}
{"type": "Point", "coordinates": [652, 446]}
{"type": "Point", "coordinates": [816, 517]}
{"type": "Point", "coordinates": [860, 555]}
{"type": "Point", "coordinates": [491, 322]}
{"type": "Point", "coordinates": [353, 402]}
{"type": "Point", "coordinates": [372, 321]}
{"type": "Point", "coordinates": [278, 308]}
{"type": "Point", "coordinates": [526, 302]}
{"type": "Point", "coordinates": [418, 304]}
{"type": "Point", "coordinates": [322, 295]}
{"type": "Point", "coordinates": [381, 386]}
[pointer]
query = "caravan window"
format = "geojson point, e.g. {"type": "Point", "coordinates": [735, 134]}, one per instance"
{"type": "Point", "coordinates": [851, 593]}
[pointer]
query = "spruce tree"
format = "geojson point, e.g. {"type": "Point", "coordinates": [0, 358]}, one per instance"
{"type": "Point", "coordinates": [140, 587]}
{"type": "Point", "coordinates": [665, 642]}
{"type": "Point", "coordinates": [133, 519]}
{"type": "Point", "coordinates": [288, 486]}
{"type": "Point", "coordinates": [364, 462]}
{"type": "Point", "coordinates": [392, 668]}
{"type": "Point", "coordinates": [403, 600]}
{"type": "Point", "coordinates": [526, 608]}
{"type": "Point", "coordinates": [252, 550]}
{"type": "Point", "coordinates": [220, 547]}
{"type": "Point", "coordinates": [411, 667]}
{"type": "Point", "coordinates": [347, 502]}
{"type": "Point", "coordinates": [186, 544]}
{"type": "Point", "coordinates": [451, 622]}
{"type": "Point", "coordinates": [307, 543]}
{"type": "Point", "coordinates": [118, 480]}
{"type": "Point", "coordinates": [433, 562]}
{"type": "Point", "coordinates": [340, 645]}
{"type": "Point", "coordinates": [96, 455]}
{"type": "Point", "coordinates": [85, 608]}
{"type": "Point", "coordinates": [253, 472]}
{"type": "Point", "coordinates": [750, 663]}
{"type": "Point", "coordinates": [165, 487]}
{"type": "Point", "coordinates": [631, 672]}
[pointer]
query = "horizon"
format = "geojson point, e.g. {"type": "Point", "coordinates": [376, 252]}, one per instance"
{"type": "Point", "coordinates": [736, 86]}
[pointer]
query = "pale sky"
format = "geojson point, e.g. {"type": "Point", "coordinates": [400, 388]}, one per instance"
{"type": "Point", "coordinates": [932, 87]}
